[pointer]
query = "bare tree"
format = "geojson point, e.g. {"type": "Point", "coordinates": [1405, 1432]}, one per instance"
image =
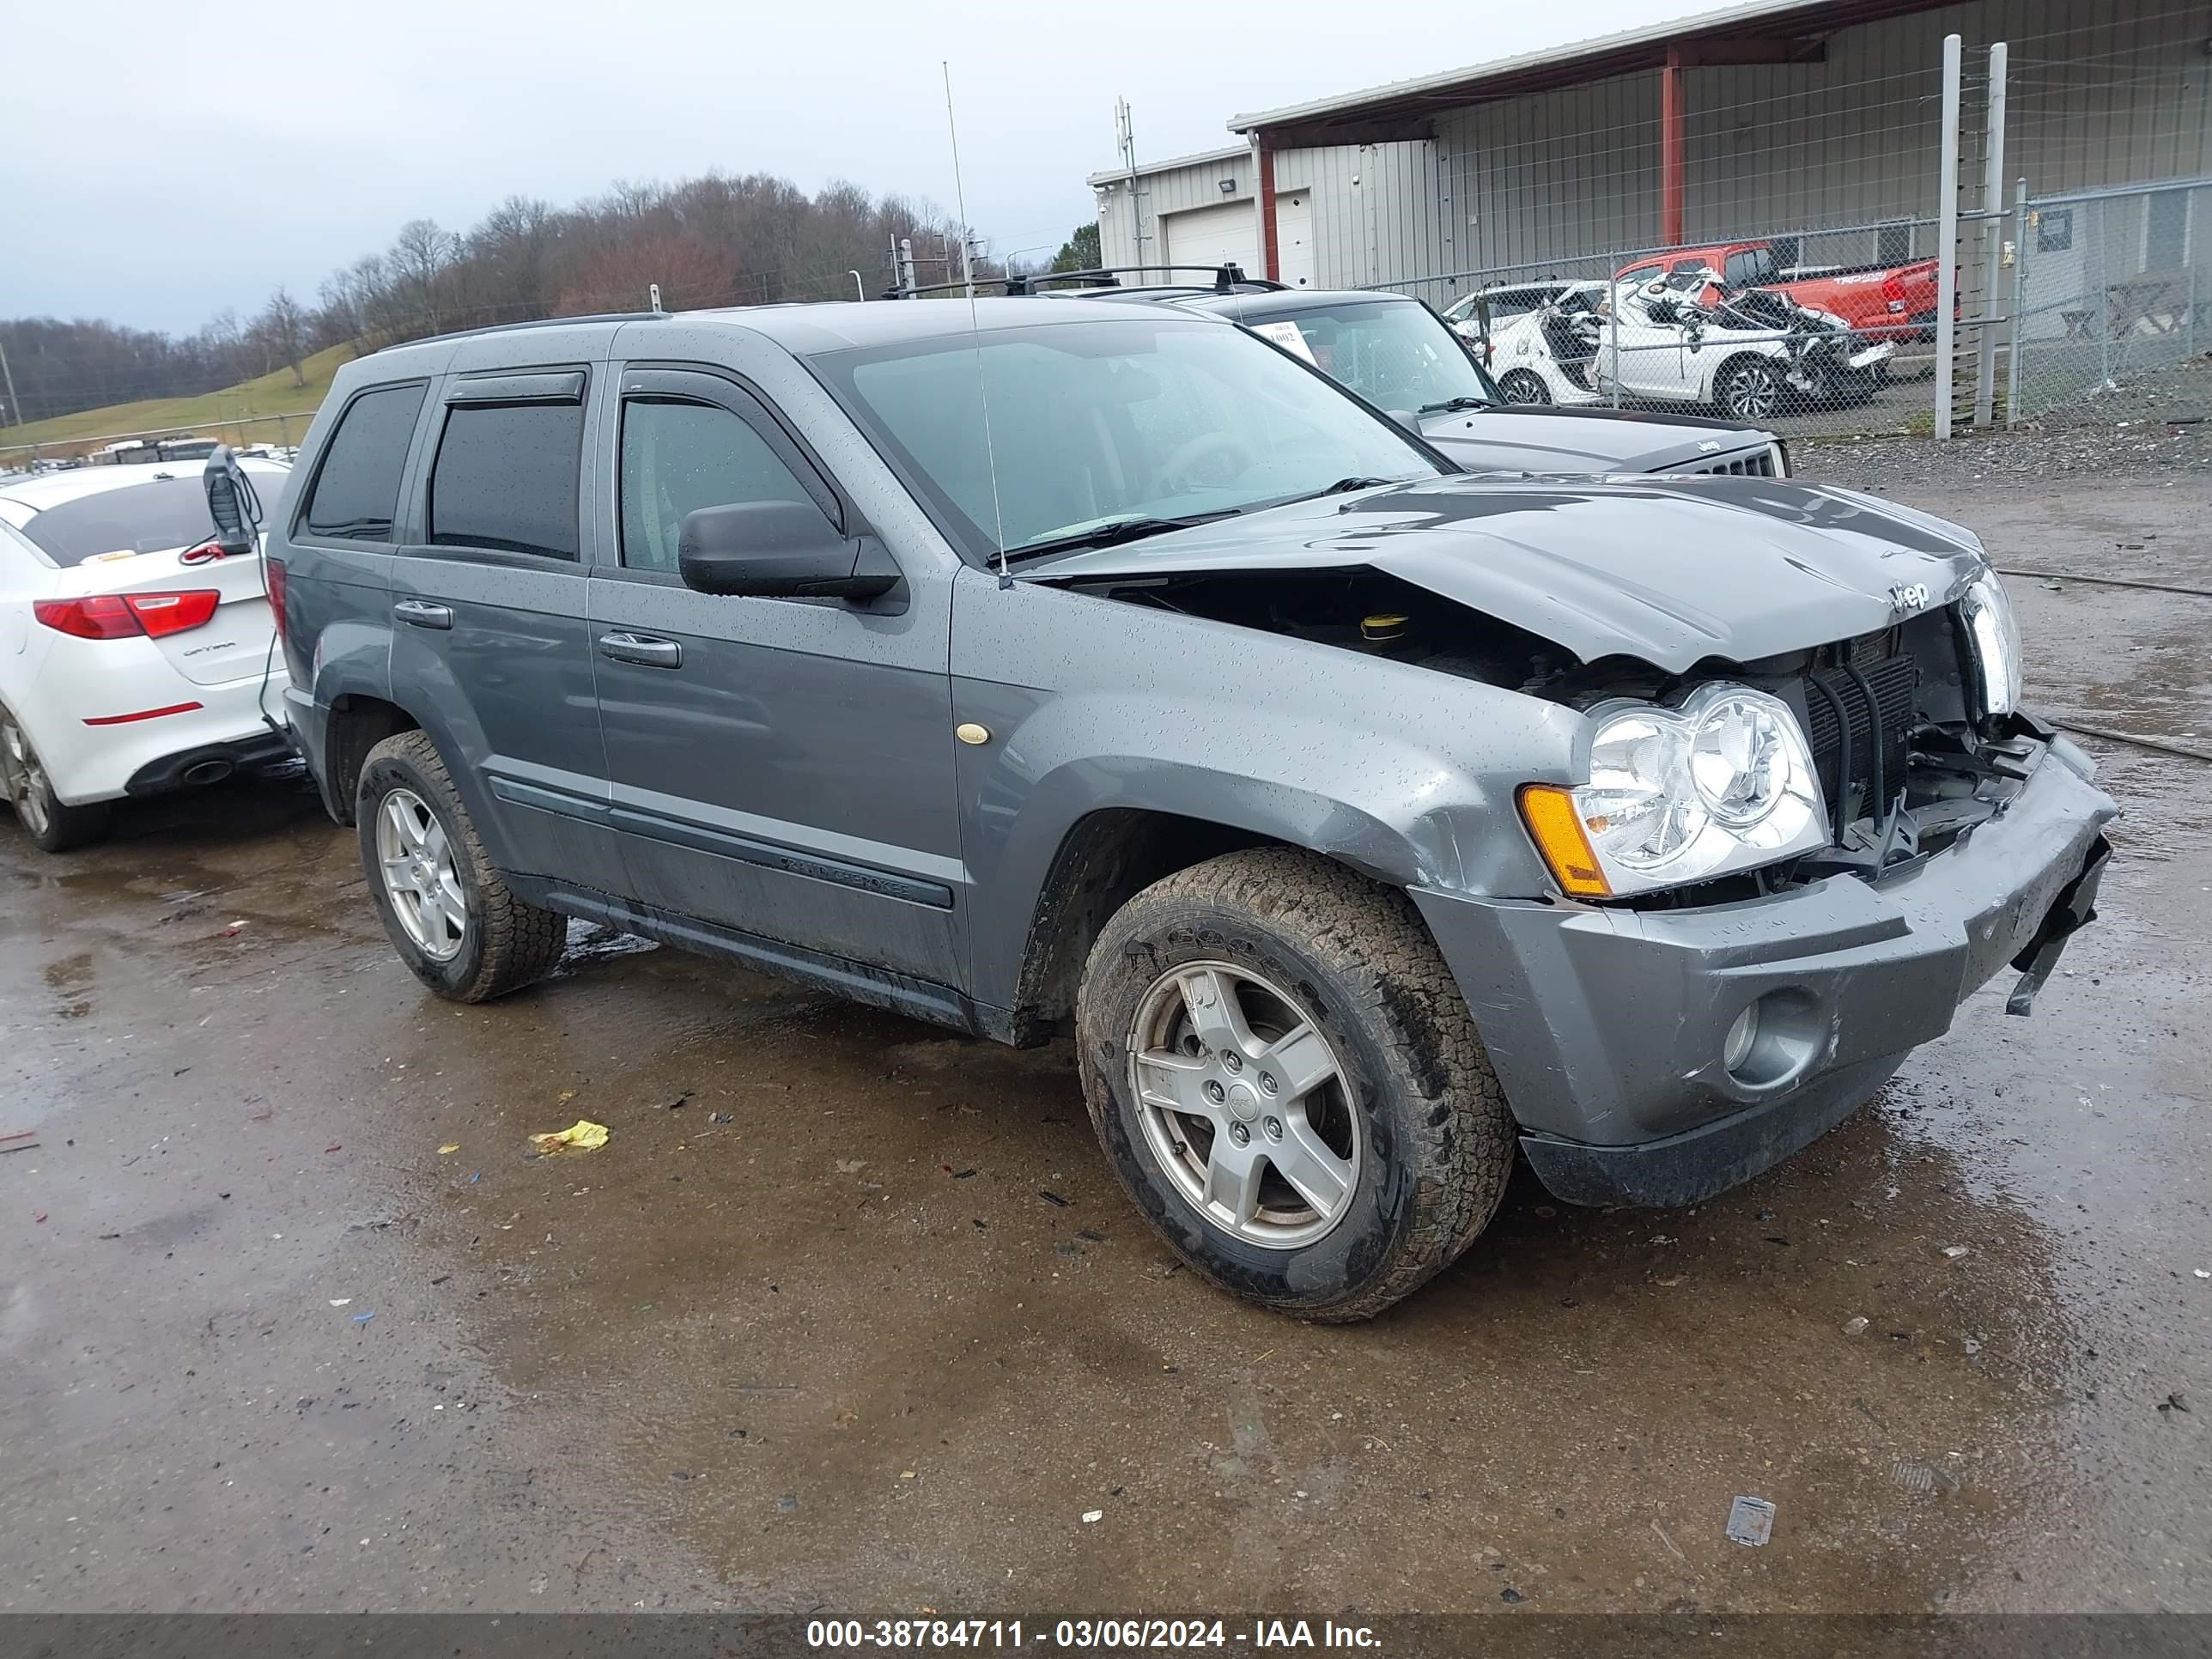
{"type": "Point", "coordinates": [421, 256]}
{"type": "Point", "coordinates": [283, 324]}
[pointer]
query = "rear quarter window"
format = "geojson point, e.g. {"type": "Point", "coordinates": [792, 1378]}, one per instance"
{"type": "Point", "coordinates": [356, 489]}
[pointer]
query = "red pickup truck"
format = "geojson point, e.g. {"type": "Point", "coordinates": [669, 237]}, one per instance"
{"type": "Point", "coordinates": [1880, 302]}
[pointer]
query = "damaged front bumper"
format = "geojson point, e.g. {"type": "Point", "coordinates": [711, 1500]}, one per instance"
{"type": "Point", "coordinates": [1621, 1036]}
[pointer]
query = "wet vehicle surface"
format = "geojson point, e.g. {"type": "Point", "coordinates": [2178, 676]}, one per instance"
{"type": "Point", "coordinates": [865, 1319]}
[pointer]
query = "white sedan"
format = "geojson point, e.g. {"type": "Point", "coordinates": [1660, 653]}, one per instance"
{"type": "Point", "coordinates": [134, 657]}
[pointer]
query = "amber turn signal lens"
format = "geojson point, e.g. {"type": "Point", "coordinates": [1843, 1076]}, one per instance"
{"type": "Point", "coordinates": [1557, 828]}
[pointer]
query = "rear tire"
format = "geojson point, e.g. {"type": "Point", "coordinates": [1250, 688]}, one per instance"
{"type": "Point", "coordinates": [466, 936]}
{"type": "Point", "coordinates": [1340, 973]}
{"type": "Point", "coordinates": [52, 824]}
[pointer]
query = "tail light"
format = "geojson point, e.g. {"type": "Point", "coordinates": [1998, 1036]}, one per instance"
{"type": "Point", "coordinates": [272, 571]}
{"type": "Point", "coordinates": [128, 616]}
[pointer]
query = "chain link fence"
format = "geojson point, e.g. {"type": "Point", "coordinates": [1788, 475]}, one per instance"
{"type": "Point", "coordinates": [1810, 330]}
{"type": "Point", "coordinates": [2107, 286]}
{"type": "Point", "coordinates": [266, 434]}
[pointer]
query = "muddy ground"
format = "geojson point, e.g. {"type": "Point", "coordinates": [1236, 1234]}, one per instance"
{"type": "Point", "coordinates": [863, 1324]}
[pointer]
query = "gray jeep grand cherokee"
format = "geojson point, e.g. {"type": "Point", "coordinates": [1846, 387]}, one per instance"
{"type": "Point", "coordinates": [1101, 668]}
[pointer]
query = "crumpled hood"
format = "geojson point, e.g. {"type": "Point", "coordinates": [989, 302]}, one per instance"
{"type": "Point", "coordinates": [1671, 571]}
{"type": "Point", "coordinates": [1549, 438]}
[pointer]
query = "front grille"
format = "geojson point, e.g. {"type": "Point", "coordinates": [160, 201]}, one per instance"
{"type": "Point", "coordinates": [1760, 465]}
{"type": "Point", "coordinates": [1893, 679]}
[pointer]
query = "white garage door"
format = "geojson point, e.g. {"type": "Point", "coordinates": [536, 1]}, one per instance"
{"type": "Point", "coordinates": [1214, 236]}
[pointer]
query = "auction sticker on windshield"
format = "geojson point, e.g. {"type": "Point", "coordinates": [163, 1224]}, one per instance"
{"type": "Point", "coordinates": [1288, 336]}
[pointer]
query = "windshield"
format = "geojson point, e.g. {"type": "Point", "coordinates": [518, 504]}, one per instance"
{"type": "Point", "coordinates": [1094, 423]}
{"type": "Point", "coordinates": [1397, 354]}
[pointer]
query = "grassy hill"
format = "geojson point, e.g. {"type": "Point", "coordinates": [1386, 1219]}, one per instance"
{"type": "Point", "coordinates": [214, 414]}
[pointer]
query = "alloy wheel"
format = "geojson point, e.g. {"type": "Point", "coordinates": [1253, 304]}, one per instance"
{"type": "Point", "coordinates": [1522, 386]}
{"type": "Point", "coordinates": [1245, 1104]}
{"type": "Point", "coordinates": [419, 877]}
{"type": "Point", "coordinates": [1752, 393]}
{"type": "Point", "coordinates": [23, 779]}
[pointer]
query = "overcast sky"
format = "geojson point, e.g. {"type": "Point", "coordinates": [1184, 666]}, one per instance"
{"type": "Point", "coordinates": [160, 162]}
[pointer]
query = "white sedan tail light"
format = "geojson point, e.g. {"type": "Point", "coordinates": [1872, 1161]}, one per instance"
{"type": "Point", "coordinates": [129, 615]}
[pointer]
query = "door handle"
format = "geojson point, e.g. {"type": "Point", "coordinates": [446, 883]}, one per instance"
{"type": "Point", "coordinates": [422, 614]}
{"type": "Point", "coordinates": [642, 649]}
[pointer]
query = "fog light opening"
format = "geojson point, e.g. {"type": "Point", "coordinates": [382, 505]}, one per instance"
{"type": "Point", "coordinates": [1736, 1049]}
{"type": "Point", "coordinates": [1774, 1040]}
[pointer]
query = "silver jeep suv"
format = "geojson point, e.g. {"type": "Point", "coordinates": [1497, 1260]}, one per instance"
{"type": "Point", "coordinates": [1098, 669]}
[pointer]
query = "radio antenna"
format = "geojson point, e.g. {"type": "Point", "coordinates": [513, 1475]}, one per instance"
{"type": "Point", "coordinates": [975, 330]}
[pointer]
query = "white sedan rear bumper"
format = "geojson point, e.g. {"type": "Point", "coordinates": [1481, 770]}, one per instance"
{"type": "Point", "coordinates": [108, 718]}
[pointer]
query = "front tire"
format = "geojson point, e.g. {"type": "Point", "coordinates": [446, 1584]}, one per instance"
{"type": "Point", "coordinates": [1289, 1085]}
{"type": "Point", "coordinates": [1748, 389]}
{"type": "Point", "coordinates": [448, 914]}
{"type": "Point", "coordinates": [1526, 387]}
{"type": "Point", "coordinates": [52, 824]}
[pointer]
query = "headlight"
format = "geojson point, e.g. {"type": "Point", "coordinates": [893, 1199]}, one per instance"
{"type": "Point", "coordinates": [1724, 782]}
{"type": "Point", "coordinates": [1996, 639]}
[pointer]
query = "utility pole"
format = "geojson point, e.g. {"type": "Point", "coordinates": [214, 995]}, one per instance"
{"type": "Point", "coordinates": [7, 375]}
{"type": "Point", "coordinates": [1125, 142]}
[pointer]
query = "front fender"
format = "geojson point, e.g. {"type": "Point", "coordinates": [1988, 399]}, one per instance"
{"type": "Point", "coordinates": [1094, 705]}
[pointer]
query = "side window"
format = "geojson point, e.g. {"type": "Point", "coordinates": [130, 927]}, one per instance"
{"type": "Point", "coordinates": [505, 477]}
{"type": "Point", "coordinates": [679, 456]}
{"type": "Point", "coordinates": [356, 489]}
{"type": "Point", "coordinates": [1750, 267]}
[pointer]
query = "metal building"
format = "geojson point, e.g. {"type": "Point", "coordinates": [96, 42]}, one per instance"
{"type": "Point", "coordinates": [1761, 118]}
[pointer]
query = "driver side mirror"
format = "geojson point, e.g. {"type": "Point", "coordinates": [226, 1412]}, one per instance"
{"type": "Point", "coordinates": [779, 551]}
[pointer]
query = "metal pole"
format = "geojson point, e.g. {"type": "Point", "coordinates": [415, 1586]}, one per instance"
{"type": "Point", "coordinates": [1947, 240]}
{"type": "Point", "coordinates": [2099, 300]}
{"type": "Point", "coordinates": [2019, 301]}
{"type": "Point", "coordinates": [860, 288]}
{"type": "Point", "coordinates": [1613, 323]}
{"type": "Point", "coordinates": [1985, 367]}
{"type": "Point", "coordinates": [7, 375]}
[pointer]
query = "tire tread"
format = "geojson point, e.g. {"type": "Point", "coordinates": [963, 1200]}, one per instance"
{"type": "Point", "coordinates": [521, 942]}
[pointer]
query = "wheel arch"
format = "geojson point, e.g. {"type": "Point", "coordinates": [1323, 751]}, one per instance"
{"type": "Point", "coordinates": [1052, 890]}
{"type": "Point", "coordinates": [356, 723]}
{"type": "Point", "coordinates": [1105, 859]}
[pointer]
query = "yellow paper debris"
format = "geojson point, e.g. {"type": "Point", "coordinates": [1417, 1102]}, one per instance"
{"type": "Point", "coordinates": [581, 1136]}
{"type": "Point", "coordinates": [450, 1146]}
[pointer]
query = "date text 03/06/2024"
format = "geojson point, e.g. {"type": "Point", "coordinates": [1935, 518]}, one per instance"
{"type": "Point", "coordinates": [1080, 1635]}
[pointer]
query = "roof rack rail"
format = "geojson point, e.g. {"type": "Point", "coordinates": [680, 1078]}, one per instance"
{"type": "Point", "coordinates": [1224, 279]}
{"type": "Point", "coordinates": [532, 322]}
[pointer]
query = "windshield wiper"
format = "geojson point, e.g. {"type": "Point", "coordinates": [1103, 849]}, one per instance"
{"type": "Point", "coordinates": [1112, 535]}
{"type": "Point", "coordinates": [1346, 486]}
{"type": "Point", "coordinates": [1452, 405]}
